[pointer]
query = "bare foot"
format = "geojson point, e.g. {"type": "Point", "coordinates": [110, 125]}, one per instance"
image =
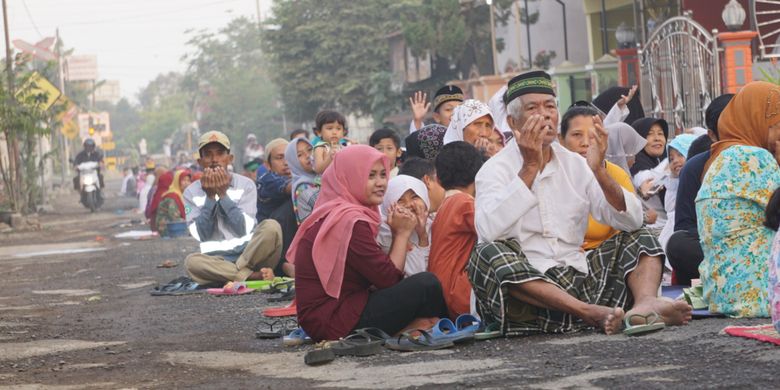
{"type": "Point", "coordinates": [672, 312]}
{"type": "Point", "coordinates": [610, 320]}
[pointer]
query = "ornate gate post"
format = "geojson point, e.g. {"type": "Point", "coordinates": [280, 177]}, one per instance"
{"type": "Point", "coordinates": [737, 64]}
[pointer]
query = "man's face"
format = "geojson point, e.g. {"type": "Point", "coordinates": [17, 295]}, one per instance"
{"type": "Point", "coordinates": [215, 155]}
{"type": "Point", "coordinates": [577, 138]}
{"type": "Point", "coordinates": [277, 162]}
{"type": "Point", "coordinates": [443, 115]}
{"type": "Point", "coordinates": [540, 104]}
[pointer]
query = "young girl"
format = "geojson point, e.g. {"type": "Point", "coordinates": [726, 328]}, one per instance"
{"type": "Point", "coordinates": [351, 283]}
{"type": "Point", "coordinates": [678, 150]}
{"type": "Point", "coordinates": [330, 130]}
{"type": "Point", "coordinates": [306, 183]}
{"type": "Point", "coordinates": [171, 208]}
{"type": "Point", "coordinates": [411, 194]}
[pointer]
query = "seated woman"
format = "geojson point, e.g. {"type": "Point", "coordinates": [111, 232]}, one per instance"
{"type": "Point", "coordinates": [740, 176]}
{"type": "Point", "coordinates": [773, 222]}
{"type": "Point", "coordinates": [305, 182]}
{"type": "Point", "coordinates": [163, 182]}
{"type": "Point", "coordinates": [411, 194]}
{"type": "Point", "coordinates": [171, 208]}
{"type": "Point", "coordinates": [648, 171]}
{"type": "Point", "coordinates": [472, 122]}
{"type": "Point", "coordinates": [351, 283]}
{"type": "Point", "coordinates": [453, 233]}
{"type": "Point", "coordinates": [678, 152]}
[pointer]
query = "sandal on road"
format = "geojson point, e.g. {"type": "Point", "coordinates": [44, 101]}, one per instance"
{"type": "Point", "coordinates": [357, 344]}
{"type": "Point", "coordinates": [652, 323]}
{"type": "Point", "coordinates": [446, 330]}
{"type": "Point", "coordinates": [285, 311]}
{"type": "Point", "coordinates": [297, 337]}
{"type": "Point", "coordinates": [286, 296]}
{"type": "Point", "coordinates": [405, 342]}
{"type": "Point", "coordinates": [179, 286]}
{"type": "Point", "coordinates": [491, 331]}
{"type": "Point", "coordinates": [319, 356]}
{"type": "Point", "coordinates": [231, 289]}
{"type": "Point", "coordinates": [275, 329]}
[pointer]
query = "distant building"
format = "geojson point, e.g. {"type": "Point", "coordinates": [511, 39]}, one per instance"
{"type": "Point", "coordinates": [109, 92]}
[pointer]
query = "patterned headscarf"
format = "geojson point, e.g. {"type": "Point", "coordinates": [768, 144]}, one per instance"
{"type": "Point", "coordinates": [463, 115]}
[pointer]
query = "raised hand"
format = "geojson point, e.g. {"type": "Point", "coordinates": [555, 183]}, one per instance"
{"type": "Point", "coordinates": [420, 106]}
{"type": "Point", "coordinates": [530, 139]}
{"type": "Point", "coordinates": [222, 181]}
{"type": "Point", "coordinates": [207, 182]}
{"type": "Point", "coordinates": [624, 99]}
{"type": "Point", "coordinates": [598, 144]}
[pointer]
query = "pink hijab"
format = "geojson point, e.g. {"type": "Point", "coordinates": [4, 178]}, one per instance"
{"type": "Point", "coordinates": [341, 205]}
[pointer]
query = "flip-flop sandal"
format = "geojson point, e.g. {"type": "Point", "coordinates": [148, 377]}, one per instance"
{"type": "Point", "coordinates": [374, 334]}
{"type": "Point", "coordinates": [237, 289]}
{"type": "Point", "coordinates": [286, 296]}
{"type": "Point", "coordinates": [285, 311]}
{"type": "Point", "coordinates": [467, 323]}
{"type": "Point", "coordinates": [695, 297]}
{"type": "Point", "coordinates": [405, 342]}
{"type": "Point", "coordinates": [297, 337]}
{"type": "Point", "coordinates": [446, 330]}
{"type": "Point", "coordinates": [281, 286]}
{"type": "Point", "coordinates": [179, 286]}
{"type": "Point", "coordinates": [491, 331]}
{"type": "Point", "coordinates": [320, 356]}
{"type": "Point", "coordinates": [357, 345]}
{"type": "Point", "coordinates": [275, 329]}
{"type": "Point", "coordinates": [652, 323]}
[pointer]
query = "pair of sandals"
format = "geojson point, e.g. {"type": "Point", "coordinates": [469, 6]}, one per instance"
{"type": "Point", "coordinates": [652, 324]}
{"type": "Point", "coordinates": [361, 342]}
{"type": "Point", "coordinates": [179, 286]}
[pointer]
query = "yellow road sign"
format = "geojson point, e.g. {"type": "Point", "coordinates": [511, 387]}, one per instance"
{"type": "Point", "coordinates": [108, 146]}
{"type": "Point", "coordinates": [37, 90]}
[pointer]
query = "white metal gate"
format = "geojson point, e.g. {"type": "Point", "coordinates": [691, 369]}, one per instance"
{"type": "Point", "coordinates": [680, 72]}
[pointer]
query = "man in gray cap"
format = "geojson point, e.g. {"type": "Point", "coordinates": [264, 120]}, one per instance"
{"type": "Point", "coordinates": [221, 210]}
{"type": "Point", "coordinates": [533, 199]}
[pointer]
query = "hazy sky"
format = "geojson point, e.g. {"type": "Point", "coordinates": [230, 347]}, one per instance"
{"type": "Point", "coordinates": [134, 40]}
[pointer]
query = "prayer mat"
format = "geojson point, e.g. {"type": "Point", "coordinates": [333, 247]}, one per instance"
{"type": "Point", "coordinates": [765, 333]}
{"type": "Point", "coordinates": [675, 292]}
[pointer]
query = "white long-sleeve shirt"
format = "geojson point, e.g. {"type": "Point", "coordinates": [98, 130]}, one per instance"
{"type": "Point", "coordinates": [550, 219]}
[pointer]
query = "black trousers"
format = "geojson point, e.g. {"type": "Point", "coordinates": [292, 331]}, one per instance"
{"type": "Point", "coordinates": [684, 253]}
{"type": "Point", "coordinates": [393, 308]}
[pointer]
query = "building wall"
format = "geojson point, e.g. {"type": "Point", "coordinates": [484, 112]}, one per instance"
{"type": "Point", "coordinates": [546, 33]}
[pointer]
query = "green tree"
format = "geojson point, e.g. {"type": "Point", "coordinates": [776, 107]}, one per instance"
{"type": "Point", "coordinates": [328, 54]}
{"type": "Point", "coordinates": [228, 79]}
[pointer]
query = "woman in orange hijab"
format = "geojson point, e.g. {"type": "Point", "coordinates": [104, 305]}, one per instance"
{"type": "Point", "coordinates": [739, 178]}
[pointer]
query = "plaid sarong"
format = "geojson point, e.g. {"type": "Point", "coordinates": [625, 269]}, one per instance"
{"type": "Point", "coordinates": [493, 267]}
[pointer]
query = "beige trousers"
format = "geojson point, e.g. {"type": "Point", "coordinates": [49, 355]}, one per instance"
{"type": "Point", "coordinates": [262, 251]}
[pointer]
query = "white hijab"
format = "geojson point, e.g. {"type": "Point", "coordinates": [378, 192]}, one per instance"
{"type": "Point", "coordinates": [623, 142]}
{"type": "Point", "coordinates": [395, 190]}
{"type": "Point", "coordinates": [498, 108]}
{"type": "Point", "coordinates": [462, 116]}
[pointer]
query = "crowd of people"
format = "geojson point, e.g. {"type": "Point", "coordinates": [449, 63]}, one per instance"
{"type": "Point", "coordinates": [535, 218]}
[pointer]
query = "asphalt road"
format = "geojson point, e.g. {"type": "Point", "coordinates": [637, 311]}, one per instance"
{"type": "Point", "coordinates": [75, 313]}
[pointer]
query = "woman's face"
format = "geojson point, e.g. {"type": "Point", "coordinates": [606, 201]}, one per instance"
{"type": "Point", "coordinates": [185, 182]}
{"type": "Point", "coordinates": [656, 141]}
{"type": "Point", "coordinates": [482, 127]}
{"type": "Point", "coordinates": [303, 150]}
{"type": "Point", "coordinates": [676, 162]}
{"type": "Point", "coordinates": [376, 184]}
{"type": "Point", "coordinates": [411, 201]}
{"type": "Point", "coordinates": [773, 139]}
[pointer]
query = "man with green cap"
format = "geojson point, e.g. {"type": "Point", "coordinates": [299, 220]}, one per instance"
{"type": "Point", "coordinates": [533, 200]}
{"type": "Point", "coordinates": [221, 209]}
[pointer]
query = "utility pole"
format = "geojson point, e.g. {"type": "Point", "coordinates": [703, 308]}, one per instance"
{"type": "Point", "coordinates": [493, 37]}
{"type": "Point", "coordinates": [259, 19]}
{"type": "Point", "coordinates": [63, 140]}
{"type": "Point", "coordinates": [10, 136]}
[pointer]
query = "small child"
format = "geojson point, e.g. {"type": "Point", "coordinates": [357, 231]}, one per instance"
{"type": "Point", "coordinates": [453, 233]}
{"type": "Point", "coordinates": [388, 142]}
{"type": "Point", "coordinates": [330, 130]}
{"type": "Point", "coordinates": [409, 193]}
{"type": "Point", "coordinates": [425, 171]}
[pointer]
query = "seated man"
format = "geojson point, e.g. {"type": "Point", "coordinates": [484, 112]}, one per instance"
{"type": "Point", "coordinates": [220, 211]}
{"type": "Point", "coordinates": [274, 201]}
{"type": "Point", "coordinates": [529, 272]}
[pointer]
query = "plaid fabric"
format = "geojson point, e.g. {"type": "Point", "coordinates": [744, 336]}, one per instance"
{"type": "Point", "coordinates": [493, 267]}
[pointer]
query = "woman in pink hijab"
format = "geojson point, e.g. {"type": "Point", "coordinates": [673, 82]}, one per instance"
{"type": "Point", "coordinates": [343, 279]}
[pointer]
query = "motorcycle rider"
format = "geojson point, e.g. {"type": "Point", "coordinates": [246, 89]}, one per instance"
{"type": "Point", "coordinates": [90, 153]}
